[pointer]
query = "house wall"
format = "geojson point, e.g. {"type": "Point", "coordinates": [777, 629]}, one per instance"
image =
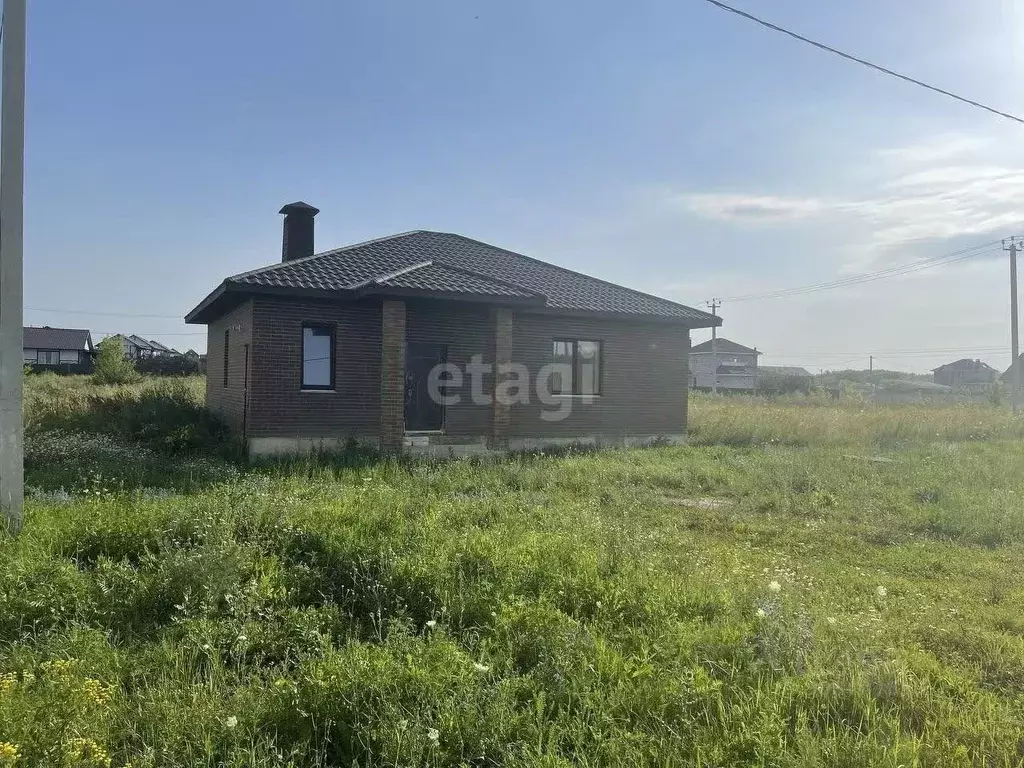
{"type": "Point", "coordinates": [643, 386]}
{"type": "Point", "coordinates": [704, 364]}
{"type": "Point", "coordinates": [957, 377]}
{"type": "Point", "coordinates": [228, 400]}
{"type": "Point", "coordinates": [277, 405]}
{"type": "Point", "coordinates": [643, 382]}
{"type": "Point", "coordinates": [65, 356]}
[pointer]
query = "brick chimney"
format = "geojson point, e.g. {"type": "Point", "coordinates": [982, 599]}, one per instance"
{"type": "Point", "coordinates": [298, 231]}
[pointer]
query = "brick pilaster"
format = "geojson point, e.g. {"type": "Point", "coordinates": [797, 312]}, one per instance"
{"type": "Point", "coordinates": [392, 375]}
{"type": "Point", "coordinates": [501, 412]}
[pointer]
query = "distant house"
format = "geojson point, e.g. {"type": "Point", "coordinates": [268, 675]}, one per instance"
{"type": "Point", "coordinates": [135, 347]}
{"type": "Point", "coordinates": [964, 372]}
{"type": "Point", "coordinates": [57, 348]}
{"type": "Point", "coordinates": [734, 364]}
{"type": "Point", "coordinates": [789, 371]}
{"type": "Point", "coordinates": [196, 358]}
{"type": "Point", "coordinates": [780, 379]}
{"type": "Point", "coordinates": [1007, 376]}
{"type": "Point", "coordinates": [159, 350]}
{"type": "Point", "coordinates": [138, 348]}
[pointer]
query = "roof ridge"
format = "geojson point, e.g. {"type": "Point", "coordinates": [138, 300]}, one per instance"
{"type": "Point", "coordinates": [565, 269]}
{"type": "Point", "coordinates": [720, 339]}
{"type": "Point", "coordinates": [378, 279]}
{"type": "Point", "coordinates": [55, 328]}
{"type": "Point", "coordinates": [269, 267]}
{"type": "Point", "coordinates": [488, 278]}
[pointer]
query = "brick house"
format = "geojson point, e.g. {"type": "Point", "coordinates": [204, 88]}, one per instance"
{"type": "Point", "coordinates": [364, 341]}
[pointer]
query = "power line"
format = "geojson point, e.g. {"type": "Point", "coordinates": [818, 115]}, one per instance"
{"type": "Point", "coordinates": [104, 314]}
{"type": "Point", "coordinates": [867, 277]}
{"type": "Point", "coordinates": [864, 62]}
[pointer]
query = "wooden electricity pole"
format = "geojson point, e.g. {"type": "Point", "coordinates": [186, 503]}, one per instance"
{"type": "Point", "coordinates": [714, 304]}
{"type": "Point", "coordinates": [1012, 246]}
{"type": "Point", "coordinates": [12, 191]}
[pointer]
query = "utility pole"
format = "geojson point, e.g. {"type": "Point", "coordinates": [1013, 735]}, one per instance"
{"type": "Point", "coordinates": [12, 193]}
{"type": "Point", "coordinates": [714, 304]}
{"type": "Point", "coordinates": [1014, 340]}
{"type": "Point", "coordinates": [871, 364]}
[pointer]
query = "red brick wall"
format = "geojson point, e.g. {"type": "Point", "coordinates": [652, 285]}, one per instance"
{"type": "Point", "coordinates": [228, 402]}
{"type": "Point", "coordinates": [278, 407]}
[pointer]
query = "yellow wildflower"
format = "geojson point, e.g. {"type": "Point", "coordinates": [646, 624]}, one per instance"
{"type": "Point", "coordinates": [96, 692]}
{"type": "Point", "coordinates": [86, 752]}
{"type": "Point", "coordinates": [8, 681]}
{"type": "Point", "coordinates": [9, 753]}
{"type": "Point", "coordinates": [61, 669]}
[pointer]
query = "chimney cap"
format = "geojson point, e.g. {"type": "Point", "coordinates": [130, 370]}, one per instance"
{"type": "Point", "coordinates": [300, 207]}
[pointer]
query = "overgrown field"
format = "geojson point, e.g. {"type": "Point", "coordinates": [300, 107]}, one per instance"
{"type": "Point", "coordinates": [808, 584]}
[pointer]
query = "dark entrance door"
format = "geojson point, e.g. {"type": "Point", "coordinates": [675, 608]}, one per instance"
{"type": "Point", "coordinates": [422, 412]}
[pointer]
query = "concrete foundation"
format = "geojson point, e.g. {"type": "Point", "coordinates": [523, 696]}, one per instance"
{"type": "Point", "coordinates": [441, 446]}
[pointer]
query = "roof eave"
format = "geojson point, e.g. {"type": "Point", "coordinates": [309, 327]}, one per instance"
{"type": "Point", "coordinates": [626, 317]}
{"type": "Point", "coordinates": [198, 315]}
{"type": "Point", "coordinates": [206, 311]}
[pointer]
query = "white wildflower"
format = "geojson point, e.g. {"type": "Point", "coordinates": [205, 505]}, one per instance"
{"type": "Point", "coordinates": [775, 587]}
{"type": "Point", "coordinates": [481, 667]}
{"type": "Point", "coordinates": [881, 591]}
{"type": "Point", "coordinates": [231, 722]}
{"type": "Point", "coordinates": [433, 734]}
{"type": "Point", "coordinates": [431, 624]}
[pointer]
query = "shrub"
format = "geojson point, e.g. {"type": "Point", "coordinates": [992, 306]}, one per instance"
{"type": "Point", "coordinates": [112, 367]}
{"type": "Point", "coordinates": [168, 365]}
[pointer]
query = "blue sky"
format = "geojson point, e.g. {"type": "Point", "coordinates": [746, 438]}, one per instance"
{"type": "Point", "coordinates": [662, 144]}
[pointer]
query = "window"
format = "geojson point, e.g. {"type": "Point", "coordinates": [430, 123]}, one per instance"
{"type": "Point", "coordinates": [317, 357]}
{"type": "Point", "coordinates": [583, 373]}
{"type": "Point", "coordinates": [227, 340]}
{"type": "Point", "coordinates": [48, 357]}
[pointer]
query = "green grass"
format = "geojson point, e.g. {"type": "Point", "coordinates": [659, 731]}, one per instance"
{"type": "Point", "coordinates": [155, 434]}
{"type": "Point", "coordinates": [615, 608]}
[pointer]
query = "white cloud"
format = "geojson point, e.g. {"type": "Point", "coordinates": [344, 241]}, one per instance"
{"type": "Point", "coordinates": [917, 199]}
{"type": "Point", "coordinates": [889, 207]}
{"type": "Point", "coordinates": [934, 149]}
{"type": "Point", "coordinates": [943, 203]}
{"type": "Point", "coordinates": [753, 209]}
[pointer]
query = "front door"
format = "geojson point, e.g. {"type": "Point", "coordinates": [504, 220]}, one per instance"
{"type": "Point", "coordinates": [422, 412]}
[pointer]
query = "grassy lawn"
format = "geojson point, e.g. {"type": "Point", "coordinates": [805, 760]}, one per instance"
{"type": "Point", "coordinates": [806, 584]}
